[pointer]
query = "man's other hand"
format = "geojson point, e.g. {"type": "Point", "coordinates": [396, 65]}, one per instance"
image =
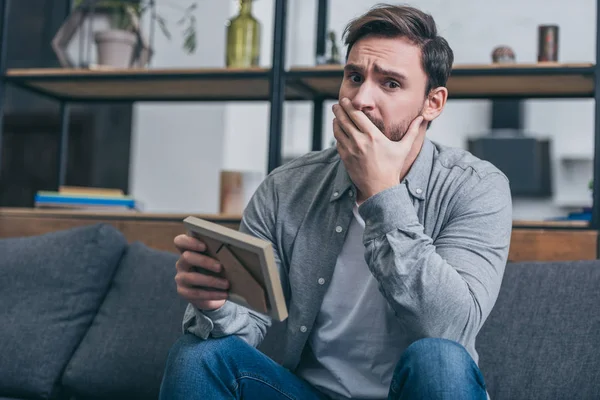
{"type": "Point", "coordinates": [194, 278]}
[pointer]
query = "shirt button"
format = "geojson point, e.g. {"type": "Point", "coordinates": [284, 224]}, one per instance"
{"type": "Point", "coordinates": [303, 329]}
{"type": "Point", "coordinates": [419, 191]}
{"type": "Point", "coordinates": [339, 229]}
{"type": "Point", "coordinates": [350, 193]}
{"type": "Point", "coordinates": [336, 194]}
{"type": "Point", "coordinates": [321, 281]}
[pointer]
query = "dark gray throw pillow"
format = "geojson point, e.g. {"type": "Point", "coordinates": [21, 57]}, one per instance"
{"type": "Point", "coordinates": [124, 352]}
{"type": "Point", "coordinates": [51, 287]}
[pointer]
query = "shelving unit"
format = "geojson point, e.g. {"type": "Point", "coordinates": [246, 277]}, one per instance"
{"type": "Point", "coordinates": [300, 83]}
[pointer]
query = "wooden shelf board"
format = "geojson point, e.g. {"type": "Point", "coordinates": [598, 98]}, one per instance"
{"type": "Point", "coordinates": [481, 81]}
{"type": "Point", "coordinates": [148, 84]}
{"type": "Point", "coordinates": [71, 213]}
{"type": "Point", "coordinates": [550, 224]}
{"type": "Point", "coordinates": [231, 84]}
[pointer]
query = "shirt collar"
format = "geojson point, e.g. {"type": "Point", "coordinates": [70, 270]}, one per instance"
{"type": "Point", "coordinates": [416, 180]}
{"type": "Point", "coordinates": [342, 182]}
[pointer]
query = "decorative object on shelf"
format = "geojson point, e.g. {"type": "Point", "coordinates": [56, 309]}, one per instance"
{"type": "Point", "coordinates": [243, 38]}
{"type": "Point", "coordinates": [237, 187]}
{"type": "Point", "coordinates": [503, 55]}
{"type": "Point", "coordinates": [334, 52]}
{"type": "Point", "coordinates": [119, 40]}
{"type": "Point", "coordinates": [116, 45]}
{"type": "Point", "coordinates": [547, 43]}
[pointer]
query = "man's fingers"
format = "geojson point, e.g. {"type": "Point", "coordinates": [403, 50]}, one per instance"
{"type": "Point", "coordinates": [192, 294]}
{"type": "Point", "coordinates": [199, 280]}
{"type": "Point", "coordinates": [338, 132]}
{"type": "Point", "coordinates": [413, 131]}
{"type": "Point", "coordinates": [358, 118]}
{"type": "Point", "coordinates": [192, 259]}
{"type": "Point", "coordinates": [181, 265]}
{"type": "Point", "coordinates": [340, 136]}
{"type": "Point", "coordinates": [346, 123]}
{"type": "Point", "coordinates": [187, 242]}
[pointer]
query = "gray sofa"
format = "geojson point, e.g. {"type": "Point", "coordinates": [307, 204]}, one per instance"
{"type": "Point", "coordinates": [84, 315]}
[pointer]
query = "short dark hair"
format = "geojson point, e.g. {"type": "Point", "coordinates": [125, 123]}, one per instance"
{"type": "Point", "coordinates": [415, 25]}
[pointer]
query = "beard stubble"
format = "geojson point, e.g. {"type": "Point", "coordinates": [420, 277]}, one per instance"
{"type": "Point", "coordinates": [396, 132]}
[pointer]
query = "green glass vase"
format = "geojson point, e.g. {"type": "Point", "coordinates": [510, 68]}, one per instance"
{"type": "Point", "coordinates": [243, 38]}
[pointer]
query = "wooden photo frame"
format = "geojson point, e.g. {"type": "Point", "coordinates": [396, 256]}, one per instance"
{"type": "Point", "coordinates": [248, 264]}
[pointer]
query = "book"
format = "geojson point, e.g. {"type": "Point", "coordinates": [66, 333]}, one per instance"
{"type": "Point", "coordinates": [248, 264]}
{"type": "Point", "coordinates": [48, 198]}
{"type": "Point", "coordinates": [90, 191]}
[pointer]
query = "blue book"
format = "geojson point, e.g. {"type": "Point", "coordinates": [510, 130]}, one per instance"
{"type": "Point", "coordinates": [42, 198]}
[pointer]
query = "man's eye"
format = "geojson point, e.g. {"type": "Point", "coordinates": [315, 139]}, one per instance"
{"type": "Point", "coordinates": [392, 85]}
{"type": "Point", "coordinates": [355, 78]}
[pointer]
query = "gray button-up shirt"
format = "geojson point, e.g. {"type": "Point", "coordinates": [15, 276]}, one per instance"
{"type": "Point", "coordinates": [437, 244]}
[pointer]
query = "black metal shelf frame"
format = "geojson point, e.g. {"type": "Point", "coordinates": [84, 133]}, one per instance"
{"type": "Point", "coordinates": [279, 79]}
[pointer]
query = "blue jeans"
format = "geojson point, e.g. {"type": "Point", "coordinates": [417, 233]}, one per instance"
{"type": "Point", "coordinates": [229, 368]}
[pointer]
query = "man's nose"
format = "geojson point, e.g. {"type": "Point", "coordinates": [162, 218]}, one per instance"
{"type": "Point", "coordinates": [363, 98]}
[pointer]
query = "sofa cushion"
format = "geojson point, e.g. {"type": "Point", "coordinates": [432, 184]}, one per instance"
{"type": "Point", "coordinates": [124, 352]}
{"type": "Point", "coordinates": [542, 339]}
{"type": "Point", "coordinates": [52, 286]}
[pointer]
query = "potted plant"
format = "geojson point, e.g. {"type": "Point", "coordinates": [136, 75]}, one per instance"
{"type": "Point", "coordinates": [116, 46]}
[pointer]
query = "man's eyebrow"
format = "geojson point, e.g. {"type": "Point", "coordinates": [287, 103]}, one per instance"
{"type": "Point", "coordinates": [388, 72]}
{"type": "Point", "coordinates": [353, 68]}
{"type": "Point", "coordinates": [378, 69]}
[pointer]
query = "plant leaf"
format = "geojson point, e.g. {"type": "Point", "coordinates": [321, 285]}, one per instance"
{"type": "Point", "coordinates": [163, 26]}
{"type": "Point", "coordinates": [189, 42]}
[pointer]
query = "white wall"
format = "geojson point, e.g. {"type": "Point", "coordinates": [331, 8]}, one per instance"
{"type": "Point", "coordinates": [177, 148]}
{"type": "Point", "coordinates": [472, 36]}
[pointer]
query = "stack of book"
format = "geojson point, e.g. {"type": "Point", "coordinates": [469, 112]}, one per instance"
{"type": "Point", "coordinates": [82, 198]}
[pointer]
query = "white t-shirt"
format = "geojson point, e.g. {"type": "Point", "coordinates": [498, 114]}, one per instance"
{"type": "Point", "coordinates": [357, 340]}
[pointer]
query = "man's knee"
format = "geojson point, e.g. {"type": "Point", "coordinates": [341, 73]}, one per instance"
{"type": "Point", "coordinates": [190, 352]}
{"type": "Point", "coordinates": [199, 369]}
{"type": "Point", "coordinates": [434, 353]}
{"type": "Point", "coordinates": [437, 369]}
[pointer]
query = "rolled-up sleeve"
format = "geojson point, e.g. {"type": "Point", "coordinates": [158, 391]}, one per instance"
{"type": "Point", "coordinates": [444, 288]}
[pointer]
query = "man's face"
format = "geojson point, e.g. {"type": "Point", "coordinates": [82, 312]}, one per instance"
{"type": "Point", "coordinates": [383, 77]}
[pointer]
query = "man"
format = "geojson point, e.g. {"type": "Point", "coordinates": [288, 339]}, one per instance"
{"type": "Point", "coordinates": [391, 248]}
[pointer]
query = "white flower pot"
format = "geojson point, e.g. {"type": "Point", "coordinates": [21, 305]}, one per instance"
{"type": "Point", "coordinates": [115, 47]}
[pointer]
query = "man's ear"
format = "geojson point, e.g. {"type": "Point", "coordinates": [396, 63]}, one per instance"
{"type": "Point", "coordinates": [435, 102]}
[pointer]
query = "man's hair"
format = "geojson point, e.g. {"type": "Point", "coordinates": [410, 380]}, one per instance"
{"type": "Point", "coordinates": [415, 25]}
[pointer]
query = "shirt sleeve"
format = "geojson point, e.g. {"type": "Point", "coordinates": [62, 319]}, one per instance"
{"type": "Point", "coordinates": [233, 319]}
{"type": "Point", "coordinates": [444, 288]}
